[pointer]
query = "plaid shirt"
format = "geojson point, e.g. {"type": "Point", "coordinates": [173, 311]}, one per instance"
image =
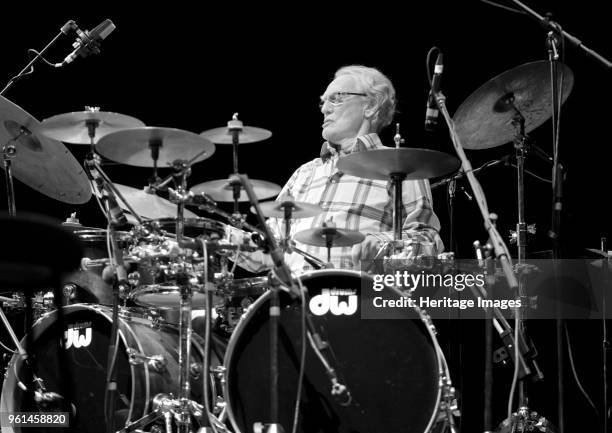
{"type": "Point", "coordinates": [353, 203]}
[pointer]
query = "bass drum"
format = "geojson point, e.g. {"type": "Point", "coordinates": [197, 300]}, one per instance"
{"type": "Point", "coordinates": [147, 364]}
{"type": "Point", "coordinates": [392, 368]}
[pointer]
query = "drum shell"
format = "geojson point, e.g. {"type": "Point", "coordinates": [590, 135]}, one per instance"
{"type": "Point", "coordinates": [138, 382]}
{"type": "Point", "coordinates": [391, 367]}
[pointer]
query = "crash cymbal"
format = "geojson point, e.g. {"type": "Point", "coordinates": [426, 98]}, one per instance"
{"type": "Point", "coordinates": [43, 164]}
{"type": "Point", "coordinates": [276, 209]}
{"type": "Point", "coordinates": [149, 205]}
{"type": "Point", "coordinates": [133, 146]}
{"type": "Point", "coordinates": [414, 163]}
{"type": "Point", "coordinates": [318, 237]}
{"type": "Point", "coordinates": [249, 134]}
{"type": "Point", "coordinates": [221, 190]}
{"type": "Point", "coordinates": [73, 127]}
{"type": "Point", "coordinates": [484, 120]}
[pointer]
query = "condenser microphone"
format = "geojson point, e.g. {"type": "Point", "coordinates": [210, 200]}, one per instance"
{"type": "Point", "coordinates": [431, 115]}
{"type": "Point", "coordinates": [88, 41]}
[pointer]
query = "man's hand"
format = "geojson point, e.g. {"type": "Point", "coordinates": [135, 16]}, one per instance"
{"type": "Point", "coordinates": [366, 250]}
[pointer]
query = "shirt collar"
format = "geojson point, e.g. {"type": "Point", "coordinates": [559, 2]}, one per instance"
{"type": "Point", "coordinates": [362, 143]}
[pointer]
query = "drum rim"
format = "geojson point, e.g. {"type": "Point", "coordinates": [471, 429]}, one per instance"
{"type": "Point", "coordinates": [194, 221]}
{"type": "Point", "coordinates": [154, 288]}
{"type": "Point", "coordinates": [248, 314]}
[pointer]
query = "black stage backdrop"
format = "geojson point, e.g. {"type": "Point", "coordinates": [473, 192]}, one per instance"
{"type": "Point", "coordinates": [191, 66]}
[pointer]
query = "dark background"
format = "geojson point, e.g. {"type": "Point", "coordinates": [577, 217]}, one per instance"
{"type": "Point", "coordinates": [192, 66]}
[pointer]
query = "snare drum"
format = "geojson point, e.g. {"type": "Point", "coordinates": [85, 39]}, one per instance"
{"type": "Point", "coordinates": [147, 364]}
{"type": "Point", "coordinates": [392, 368]}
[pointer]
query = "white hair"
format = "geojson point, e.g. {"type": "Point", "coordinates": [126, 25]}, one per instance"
{"type": "Point", "coordinates": [378, 87]}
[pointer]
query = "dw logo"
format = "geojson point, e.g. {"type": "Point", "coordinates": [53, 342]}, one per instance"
{"type": "Point", "coordinates": [73, 337]}
{"type": "Point", "coordinates": [329, 301]}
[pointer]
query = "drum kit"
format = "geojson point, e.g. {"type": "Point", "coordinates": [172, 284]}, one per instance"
{"type": "Point", "coordinates": [173, 262]}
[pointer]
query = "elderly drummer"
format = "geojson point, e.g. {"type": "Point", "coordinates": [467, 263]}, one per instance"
{"type": "Point", "coordinates": [356, 105]}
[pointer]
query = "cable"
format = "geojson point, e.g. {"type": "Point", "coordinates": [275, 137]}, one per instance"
{"type": "Point", "coordinates": [41, 57]}
{"type": "Point", "coordinates": [208, 318]}
{"type": "Point", "coordinates": [8, 349]}
{"type": "Point", "coordinates": [534, 175]}
{"type": "Point", "coordinates": [571, 358]}
{"type": "Point", "coordinates": [296, 411]}
{"type": "Point", "coordinates": [497, 5]}
{"type": "Point", "coordinates": [516, 361]}
{"type": "Point", "coordinates": [428, 61]}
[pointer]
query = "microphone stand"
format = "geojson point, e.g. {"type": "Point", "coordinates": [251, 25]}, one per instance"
{"type": "Point", "coordinates": [66, 28]}
{"type": "Point", "coordinates": [339, 391]}
{"type": "Point", "coordinates": [550, 25]}
{"type": "Point", "coordinates": [119, 283]}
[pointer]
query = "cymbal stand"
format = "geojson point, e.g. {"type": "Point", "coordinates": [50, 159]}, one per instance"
{"type": "Point", "coordinates": [155, 144]}
{"type": "Point", "coordinates": [396, 181]}
{"type": "Point", "coordinates": [9, 152]}
{"type": "Point", "coordinates": [235, 127]}
{"type": "Point", "coordinates": [66, 28]}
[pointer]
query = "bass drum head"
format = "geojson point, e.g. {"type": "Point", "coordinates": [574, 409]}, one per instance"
{"type": "Point", "coordinates": [86, 354]}
{"type": "Point", "coordinates": [87, 338]}
{"type": "Point", "coordinates": [391, 367]}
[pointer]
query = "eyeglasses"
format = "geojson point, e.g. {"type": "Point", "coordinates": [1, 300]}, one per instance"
{"type": "Point", "coordinates": [338, 98]}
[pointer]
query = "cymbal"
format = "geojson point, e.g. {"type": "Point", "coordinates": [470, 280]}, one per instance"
{"type": "Point", "coordinates": [43, 164]}
{"type": "Point", "coordinates": [414, 163]}
{"type": "Point", "coordinates": [484, 119]}
{"type": "Point", "coordinates": [72, 127]}
{"type": "Point", "coordinates": [340, 237]}
{"type": "Point", "coordinates": [149, 205]}
{"type": "Point", "coordinates": [132, 146]}
{"type": "Point", "coordinates": [276, 209]}
{"type": "Point", "coordinates": [249, 134]}
{"type": "Point", "coordinates": [221, 190]}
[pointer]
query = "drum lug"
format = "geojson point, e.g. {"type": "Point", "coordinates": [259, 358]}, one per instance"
{"type": "Point", "coordinates": [156, 362]}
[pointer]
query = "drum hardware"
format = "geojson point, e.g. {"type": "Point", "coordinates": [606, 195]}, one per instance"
{"type": "Point", "coordinates": [66, 28]}
{"type": "Point", "coordinates": [231, 190]}
{"type": "Point", "coordinates": [156, 362]}
{"type": "Point", "coordinates": [511, 105]}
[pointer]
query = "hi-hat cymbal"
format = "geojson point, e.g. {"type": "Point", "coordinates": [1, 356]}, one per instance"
{"type": "Point", "coordinates": [222, 190]}
{"type": "Point", "coordinates": [485, 119]}
{"type": "Point", "coordinates": [318, 237]}
{"type": "Point", "coordinates": [413, 163]}
{"type": "Point", "coordinates": [249, 134]}
{"type": "Point", "coordinates": [40, 162]}
{"type": "Point", "coordinates": [73, 127]}
{"type": "Point", "coordinates": [276, 209]}
{"type": "Point", "coordinates": [134, 146]}
{"type": "Point", "coordinates": [149, 205]}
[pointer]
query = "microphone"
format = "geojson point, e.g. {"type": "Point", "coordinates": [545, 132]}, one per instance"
{"type": "Point", "coordinates": [53, 402]}
{"type": "Point", "coordinates": [431, 115]}
{"type": "Point", "coordinates": [116, 214]}
{"type": "Point", "coordinates": [88, 42]}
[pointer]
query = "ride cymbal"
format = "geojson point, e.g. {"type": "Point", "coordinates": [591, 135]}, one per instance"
{"type": "Point", "coordinates": [486, 118]}
{"type": "Point", "coordinates": [44, 164]}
